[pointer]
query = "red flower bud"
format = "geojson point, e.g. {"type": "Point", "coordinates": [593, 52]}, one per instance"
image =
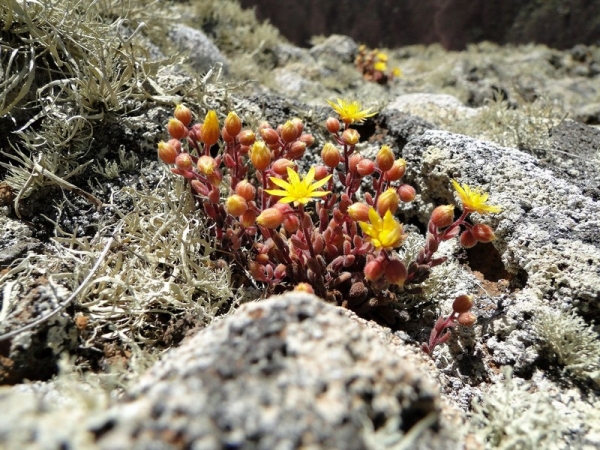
{"type": "Point", "coordinates": [365, 167]}
{"type": "Point", "coordinates": [395, 272]}
{"type": "Point", "coordinates": [407, 193]}
{"type": "Point", "coordinates": [247, 137]}
{"type": "Point", "coordinates": [467, 319]}
{"type": "Point", "coordinates": [359, 212]}
{"type": "Point", "coordinates": [269, 135]}
{"type": "Point", "coordinates": [236, 205]}
{"type": "Point", "coordinates": [296, 150]}
{"type": "Point", "coordinates": [353, 161]}
{"type": "Point", "coordinates": [350, 136]}
{"type": "Point", "coordinates": [246, 190]}
{"type": "Point", "coordinates": [281, 165]}
{"type": "Point", "coordinates": [307, 138]}
{"type": "Point", "coordinates": [374, 270]}
{"type": "Point", "coordinates": [462, 303]}
{"type": "Point", "coordinates": [270, 218]}
{"type": "Point", "coordinates": [233, 124]}
{"type": "Point", "coordinates": [177, 129]}
{"type": "Point", "coordinates": [333, 125]}
{"type": "Point", "coordinates": [331, 155]}
{"type": "Point", "coordinates": [442, 216]}
{"type": "Point", "coordinates": [483, 233]}
{"type": "Point", "coordinates": [183, 114]}
{"type": "Point", "coordinates": [183, 161]}
{"type": "Point", "coordinates": [166, 152]}
{"type": "Point", "coordinates": [397, 171]}
{"type": "Point", "coordinates": [385, 158]}
{"type": "Point", "coordinates": [467, 240]}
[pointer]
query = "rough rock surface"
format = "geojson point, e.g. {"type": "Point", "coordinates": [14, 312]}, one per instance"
{"type": "Point", "coordinates": [202, 52]}
{"type": "Point", "coordinates": [287, 372]}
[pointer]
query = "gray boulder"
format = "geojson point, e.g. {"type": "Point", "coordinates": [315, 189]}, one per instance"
{"type": "Point", "coordinates": [288, 372]}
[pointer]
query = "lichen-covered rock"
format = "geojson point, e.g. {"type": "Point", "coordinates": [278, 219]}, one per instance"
{"type": "Point", "coordinates": [288, 372]}
{"type": "Point", "coordinates": [200, 51]}
{"type": "Point", "coordinates": [336, 48]}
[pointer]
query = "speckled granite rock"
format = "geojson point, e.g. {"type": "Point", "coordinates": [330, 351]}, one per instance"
{"type": "Point", "coordinates": [288, 372]}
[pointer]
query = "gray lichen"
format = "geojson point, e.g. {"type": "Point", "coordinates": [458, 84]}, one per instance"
{"type": "Point", "coordinates": [567, 338]}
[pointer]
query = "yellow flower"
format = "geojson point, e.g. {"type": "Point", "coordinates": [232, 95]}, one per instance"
{"type": "Point", "coordinates": [298, 191]}
{"type": "Point", "coordinates": [396, 72]}
{"type": "Point", "coordinates": [381, 56]}
{"type": "Point", "coordinates": [473, 200]}
{"type": "Point", "coordinates": [380, 66]}
{"type": "Point", "coordinates": [383, 233]}
{"type": "Point", "coordinates": [350, 112]}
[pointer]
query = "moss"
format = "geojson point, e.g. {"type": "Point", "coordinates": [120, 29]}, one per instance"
{"type": "Point", "coordinates": [569, 340]}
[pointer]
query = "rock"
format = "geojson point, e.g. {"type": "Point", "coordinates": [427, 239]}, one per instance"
{"type": "Point", "coordinates": [336, 48]}
{"type": "Point", "coordinates": [548, 228]}
{"type": "Point", "coordinates": [201, 52]}
{"type": "Point", "coordinates": [287, 372]}
{"type": "Point", "coordinates": [439, 109]}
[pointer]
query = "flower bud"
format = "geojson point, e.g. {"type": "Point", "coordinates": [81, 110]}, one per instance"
{"type": "Point", "coordinates": [200, 187]}
{"type": "Point", "coordinates": [374, 270]}
{"type": "Point", "coordinates": [210, 130]}
{"type": "Point", "coordinates": [194, 132]}
{"type": "Point", "coordinates": [247, 137]}
{"type": "Point", "coordinates": [291, 223]}
{"type": "Point", "coordinates": [183, 161]}
{"type": "Point", "coordinates": [333, 125]}
{"type": "Point", "coordinates": [298, 124]}
{"type": "Point", "coordinates": [387, 201]}
{"type": "Point", "coordinates": [483, 233]}
{"type": "Point", "coordinates": [321, 172]}
{"type": "Point", "coordinates": [467, 240]}
{"type": "Point", "coordinates": [269, 135]}
{"type": "Point", "coordinates": [331, 155]}
{"type": "Point", "coordinates": [215, 178]}
{"type": "Point", "coordinates": [226, 136]}
{"type": "Point", "coordinates": [166, 152]}
{"type": "Point", "coordinates": [304, 287]}
{"type": "Point", "coordinates": [248, 218]}
{"type": "Point", "coordinates": [246, 190]}
{"type": "Point", "coordinates": [281, 165]}
{"type": "Point", "coordinates": [462, 303]}
{"type": "Point", "coordinates": [296, 150]}
{"type": "Point", "coordinates": [307, 138]}
{"type": "Point", "coordinates": [260, 155]}
{"type": "Point", "coordinates": [467, 319]}
{"type": "Point", "coordinates": [397, 171]}
{"type": "Point", "coordinates": [206, 165]}
{"type": "Point", "coordinates": [236, 205]}
{"type": "Point", "coordinates": [365, 167]}
{"type": "Point", "coordinates": [233, 124]}
{"type": "Point", "coordinates": [353, 161]}
{"type": "Point", "coordinates": [442, 216]}
{"type": "Point", "coordinates": [350, 136]}
{"type": "Point", "coordinates": [385, 158]}
{"type": "Point", "coordinates": [407, 193]}
{"type": "Point", "coordinates": [280, 271]}
{"type": "Point", "coordinates": [183, 114]}
{"type": "Point", "coordinates": [395, 272]}
{"type": "Point", "coordinates": [177, 129]}
{"type": "Point", "coordinates": [359, 212]}
{"type": "Point", "coordinates": [270, 218]}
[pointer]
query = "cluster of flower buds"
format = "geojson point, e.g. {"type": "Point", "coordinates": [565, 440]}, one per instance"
{"type": "Point", "coordinates": [342, 248]}
{"type": "Point", "coordinates": [461, 315]}
{"type": "Point", "coordinates": [373, 64]}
